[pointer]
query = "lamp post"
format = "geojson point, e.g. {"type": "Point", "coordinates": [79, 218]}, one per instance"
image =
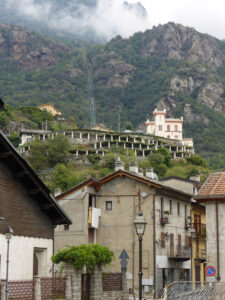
{"type": "Point", "coordinates": [140, 224]}
{"type": "Point", "coordinates": [8, 235]}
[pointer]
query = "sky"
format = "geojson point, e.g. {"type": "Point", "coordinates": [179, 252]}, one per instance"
{"type": "Point", "coordinates": [111, 18]}
{"type": "Point", "coordinates": [206, 16]}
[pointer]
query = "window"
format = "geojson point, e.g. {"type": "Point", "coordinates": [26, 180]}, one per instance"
{"type": "Point", "coordinates": [66, 227]}
{"type": "Point", "coordinates": [178, 208]}
{"type": "Point", "coordinates": [175, 128]}
{"type": "Point", "coordinates": [162, 207]}
{"type": "Point", "coordinates": [163, 239]}
{"type": "Point", "coordinates": [168, 136]}
{"type": "Point", "coordinates": [92, 200]}
{"type": "Point", "coordinates": [168, 127]}
{"type": "Point", "coordinates": [160, 127]}
{"type": "Point", "coordinates": [170, 207]}
{"type": "Point", "coordinates": [108, 205]}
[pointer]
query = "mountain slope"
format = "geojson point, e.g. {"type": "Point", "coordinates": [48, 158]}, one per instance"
{"type": "Point", "coordinates": [170, 66]}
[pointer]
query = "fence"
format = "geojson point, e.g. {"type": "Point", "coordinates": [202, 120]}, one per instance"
{"type": "Point", "coordinates": [188, 290]}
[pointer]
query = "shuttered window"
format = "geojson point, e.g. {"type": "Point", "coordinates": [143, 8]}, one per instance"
{"type": "Point", "coordinates": [163, 239]}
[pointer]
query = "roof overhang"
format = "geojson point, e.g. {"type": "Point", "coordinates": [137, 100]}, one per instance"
{"type": "Point", "coordinates": [210, 198]}
{"type": "Point", "coordinates": [34, 185]}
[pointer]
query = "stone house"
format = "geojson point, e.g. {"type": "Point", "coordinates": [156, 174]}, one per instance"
{"type": "Point", "coordinates": [49, 107]}
{"type": "Point", "coordinates": [169, 128]}
{"type": "Point", "coordinates": [28, 207]}
{"type": "Point", "coordinates": [103, 212]}
{"type": "Point", "coordinates": [197, 222]}
{"type": "Point", "coordinates": [212, 194]}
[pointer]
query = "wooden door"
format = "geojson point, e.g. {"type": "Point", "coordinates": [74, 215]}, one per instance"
{"type": "Point", "coordinates": [85, 287]}
{"type": "Point", "coordinates": [197, 273]}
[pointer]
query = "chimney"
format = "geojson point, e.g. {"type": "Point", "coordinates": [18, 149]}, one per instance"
{"type": "Point", "coordinates": [119, 164]}
{"type": "Point", "coordinates": [151, 174]}
{"type": "Point", "coordinates": [57, 192]}
{"type": "Point", "coordinates": [195, 177]}
{"type": "Point", "coordinates": [133, 168]}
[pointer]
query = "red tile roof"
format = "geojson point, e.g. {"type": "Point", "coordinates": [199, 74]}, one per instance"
{"type": "Point", "coordinates": [214, 185]}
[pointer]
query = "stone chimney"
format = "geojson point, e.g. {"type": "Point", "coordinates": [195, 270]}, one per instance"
{"type": "Point", "coordinates": [57, 192]}
{"type": "Point", "coordinates": [133, 168]}
{"type": "Point", "coordinates": [119, 164]}
{"type": "Point", "coordinates": [151, 174]}
{"type": "Point", "coordinates": [195, 177]}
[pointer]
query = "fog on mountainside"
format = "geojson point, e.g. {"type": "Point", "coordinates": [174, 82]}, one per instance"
{"type": "Point", "coordinates": [90, 19]}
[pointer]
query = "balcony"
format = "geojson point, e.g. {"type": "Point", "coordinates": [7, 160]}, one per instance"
{"type": "Point", "coordinates": [200, 255]}
{"type": "Point", "coordinates": [200, 229]}
{"type": "Point", "coordinates": [180, 253]}
{"type": "Point", "coordinates": [164, 220]}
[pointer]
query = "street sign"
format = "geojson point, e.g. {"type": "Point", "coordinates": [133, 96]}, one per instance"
{"type": "Point", "coordinates": [124, 255]}
{"type": "Point", "coordinates": [210, 279]}
{"type": "Point", "coordinates": [210, 271]}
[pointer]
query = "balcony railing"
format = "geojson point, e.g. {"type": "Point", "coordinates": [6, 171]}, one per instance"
{"type": "Point", "coordinates": [200, 254]}
{"type": "Point", "coordinates": [200, 229]}
{"type": "Point", "coordinates": [179, 253]}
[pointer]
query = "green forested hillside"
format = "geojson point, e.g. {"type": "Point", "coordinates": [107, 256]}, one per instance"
{"type": "Point", "coordinates": [170, 67]}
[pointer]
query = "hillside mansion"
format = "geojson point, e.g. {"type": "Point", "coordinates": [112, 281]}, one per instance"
{"type": "Point", "coordinates": [168, 128]}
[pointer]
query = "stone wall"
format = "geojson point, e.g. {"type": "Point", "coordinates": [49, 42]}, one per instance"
{"type": "Point", "coordinates": [26, 290]}
{"type": "Point", "coordinates": [21, 289]}
{"type": "Point", "coordinates": [112, 295]}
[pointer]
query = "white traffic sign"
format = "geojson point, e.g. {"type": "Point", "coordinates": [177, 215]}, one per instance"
{"type": "Point", "coordinates": [210, 279]}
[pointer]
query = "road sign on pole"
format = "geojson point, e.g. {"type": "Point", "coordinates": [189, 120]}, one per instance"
{"type": "Point", "coordinates": [123, 256]}
{"type": "Point", "coordinates": [210, 271]}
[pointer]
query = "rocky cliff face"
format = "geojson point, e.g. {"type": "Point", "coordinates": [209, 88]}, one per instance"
{"type": "Point", "coordinates": [174, 41]}
{"type": "Point", "coordinates": [27, 49]}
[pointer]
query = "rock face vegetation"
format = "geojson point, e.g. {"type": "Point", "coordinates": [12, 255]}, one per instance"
{"type": "Point", "coordinates": [170, 66]}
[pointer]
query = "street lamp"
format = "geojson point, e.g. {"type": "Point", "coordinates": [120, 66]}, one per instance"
{"type": "Point", "coordinates": [8, 235]}
{"type": "Point", "coordinates": [140, 224]}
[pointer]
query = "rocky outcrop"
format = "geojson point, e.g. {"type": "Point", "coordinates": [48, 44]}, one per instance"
{"type": "Point", "coordinates": [27, 49]}
{"type": "Point", "coordinates": [113, 72]}
{"type": "Point", "coordinates": [210, 95]}
{"type": "Point", "coordinates": [174, 41]}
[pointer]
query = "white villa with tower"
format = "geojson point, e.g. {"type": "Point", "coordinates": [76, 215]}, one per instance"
{"type": "Point", "coordinates": [169, 128]}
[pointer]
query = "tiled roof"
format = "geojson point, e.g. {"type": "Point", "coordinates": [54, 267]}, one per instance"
{"type": "Point", "coordinates": [214, 185]}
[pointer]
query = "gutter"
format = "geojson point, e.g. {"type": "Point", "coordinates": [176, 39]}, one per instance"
{"type": "Point", "coordinates": [217, 243]}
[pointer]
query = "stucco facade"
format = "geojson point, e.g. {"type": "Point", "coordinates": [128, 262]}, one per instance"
{"type": "Point", "coordinates": [22, 251]}
{"type": "Point", "coordinates": [117, 198]}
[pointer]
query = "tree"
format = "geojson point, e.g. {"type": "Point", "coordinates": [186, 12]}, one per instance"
{"type": "Point", "coordinates": [46, 154]}
{"type": "Point", "coordinates": [128, 126]}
